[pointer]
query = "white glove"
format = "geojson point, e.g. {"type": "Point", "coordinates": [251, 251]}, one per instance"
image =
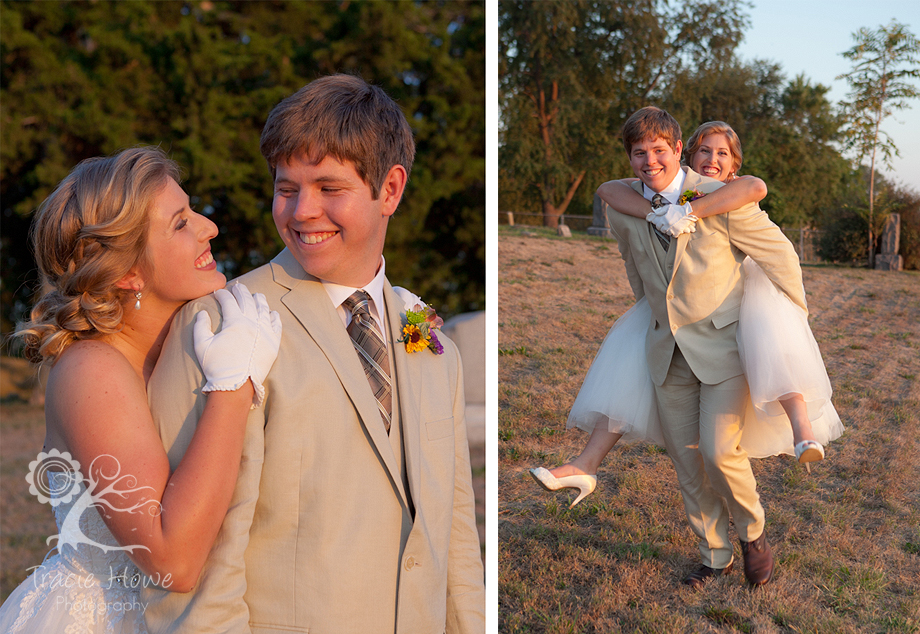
{"type": "Point", "coordinates": [674, 219]}
{"type": "Point", "coordinates": [246, 346]}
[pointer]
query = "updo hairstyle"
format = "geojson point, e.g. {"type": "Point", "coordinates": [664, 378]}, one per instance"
{"type": "Point", "coordinates": [715, 127]}
{"type": "Point", "coordinates": [86, 236]}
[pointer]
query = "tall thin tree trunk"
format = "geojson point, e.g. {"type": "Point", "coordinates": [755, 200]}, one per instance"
{"type": "Point", "coordinates": [878, 123]}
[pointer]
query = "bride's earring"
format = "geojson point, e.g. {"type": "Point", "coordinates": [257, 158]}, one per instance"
{"type": "Point", "coordinates": [137, 304]}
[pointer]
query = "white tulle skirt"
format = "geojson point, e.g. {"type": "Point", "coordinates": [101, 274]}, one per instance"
{"type": "Point", "coordinates": [778, 352]}
{"type": "Point", "coordinates": [780, 357]}
{"type": "Point", "coordinates": [618, 392]}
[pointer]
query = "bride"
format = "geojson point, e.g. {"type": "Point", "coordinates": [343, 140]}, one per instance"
{"type": "Point", "coordinates": [120, 251]}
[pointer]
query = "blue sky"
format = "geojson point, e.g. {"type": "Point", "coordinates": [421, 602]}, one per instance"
{"type": "Point", "coordinates": [807, 37]}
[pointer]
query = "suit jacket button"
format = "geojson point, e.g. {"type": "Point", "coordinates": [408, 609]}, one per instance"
{"type": "Point", "coordinates": [674, 328]}
{"type": "Point", "coordinates": [410, 563]}
{"type": "Point", "coordinates": [670, 295]}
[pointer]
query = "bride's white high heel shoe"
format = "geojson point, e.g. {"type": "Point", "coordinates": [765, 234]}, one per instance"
{"type": "Point", "coordinates": [584, 483]}
{"type": "Point", "coordinates": [809, 451]}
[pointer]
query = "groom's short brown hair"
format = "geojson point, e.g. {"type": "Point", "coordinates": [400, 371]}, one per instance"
{"type": "Point", "coordinates": [345, 117]}
{"type": "Point", "coordinates": [650, 123]}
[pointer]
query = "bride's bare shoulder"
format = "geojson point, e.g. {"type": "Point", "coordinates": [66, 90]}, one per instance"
{"type": "Point", "coordinates": [89, 353]}
{"type": "Point", "coordinates": [89, 366]}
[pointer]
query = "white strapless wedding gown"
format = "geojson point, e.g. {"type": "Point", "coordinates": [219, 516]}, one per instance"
{"type": "Point", "coordinates": [81, 589]}
{"type": "Point", "coordinates": [779, 355]}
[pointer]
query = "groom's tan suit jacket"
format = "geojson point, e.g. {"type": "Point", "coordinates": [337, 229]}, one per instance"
{"type": "Point", "coordinates": [326, 532]}
{"type": "Point", "coordinates": [697, 306]}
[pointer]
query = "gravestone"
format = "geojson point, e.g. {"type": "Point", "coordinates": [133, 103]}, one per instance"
{"type": "Point", "coordinates": [888, 259]}
{"type": "Point", "coordinates": [599, 223]}
{"type": "Point", "coordinates": [563, 231]}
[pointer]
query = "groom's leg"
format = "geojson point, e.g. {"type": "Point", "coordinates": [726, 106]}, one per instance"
{"type": "Point", "coordinates": [727, 465]}
{"type": "Point", "coordinates": [679, 407]}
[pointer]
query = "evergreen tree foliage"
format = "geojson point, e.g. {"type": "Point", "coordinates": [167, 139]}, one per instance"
{"type": "Point", "coordinates": [88, 78]}
{"type": "Point", "coordinates": [570, 73]}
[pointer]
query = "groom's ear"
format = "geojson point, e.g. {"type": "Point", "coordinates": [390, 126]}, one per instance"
{"type": "Point", "coordinates": [392, 190]}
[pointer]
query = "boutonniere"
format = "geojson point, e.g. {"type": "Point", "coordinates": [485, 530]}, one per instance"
{"type": "Point", "coordinates": [420, 330]}
{"type": "Point", "coordinates": [689, 196]}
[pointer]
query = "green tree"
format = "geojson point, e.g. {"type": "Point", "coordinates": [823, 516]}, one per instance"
{"type": "Point", "coordinates": [788, 131]}
{"type": "Point", "coordinates": [884, 62]}
{"type": "Point", "coordinates": [88, 78]}
{"type": "Point", "coordinates": [571, 72]}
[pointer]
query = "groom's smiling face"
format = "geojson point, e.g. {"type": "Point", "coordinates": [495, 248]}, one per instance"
{"type": "Point", "coordinates": [655, 162]}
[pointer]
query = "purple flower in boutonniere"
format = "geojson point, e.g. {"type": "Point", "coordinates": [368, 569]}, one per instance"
{"type": "Point", "coordinates": [419, 331]}
{"type": "Point", "coordinates": [437, 347]}
{"type": "Point", "coordinates": [689, 196]}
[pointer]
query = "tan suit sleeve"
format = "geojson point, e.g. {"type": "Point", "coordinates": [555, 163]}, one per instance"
{"type": "Point", "coordinates": [174, 392]}
{"type": "Point", "coordinates": [620, 225]}
{"type": "Point", "coordinates": [753, 233]}
{"type": "Point", "coordinates": [465, 589]}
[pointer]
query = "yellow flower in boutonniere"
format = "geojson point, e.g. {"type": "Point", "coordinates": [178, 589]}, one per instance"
{"type": "Point", "coordinates": [419, 332]}
{"type": "Point", "coordinates": [689, 196]}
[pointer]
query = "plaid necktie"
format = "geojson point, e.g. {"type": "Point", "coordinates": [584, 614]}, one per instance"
{"type": "Point", "coordinates": [660, 201]}
{"type": "Point", "coordinates": [372, 351]}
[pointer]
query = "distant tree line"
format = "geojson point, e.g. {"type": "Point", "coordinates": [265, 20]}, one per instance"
{"type": "Point", "coordinates": [571, 73]}
{"type": "Point", "coordinates": [198, 78]}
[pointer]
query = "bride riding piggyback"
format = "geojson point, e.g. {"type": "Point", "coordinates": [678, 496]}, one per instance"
{"type": "Point", "coordinates": [720, 306]}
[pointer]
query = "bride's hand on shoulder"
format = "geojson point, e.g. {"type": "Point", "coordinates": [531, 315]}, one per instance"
{"type": "Point", "coordinates": [245, 347]}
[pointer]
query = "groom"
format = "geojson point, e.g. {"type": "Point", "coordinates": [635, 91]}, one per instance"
{"type": "Point", "coordinates": [694, 285]}
{"type": "Point", "coordinates": [353, 510]}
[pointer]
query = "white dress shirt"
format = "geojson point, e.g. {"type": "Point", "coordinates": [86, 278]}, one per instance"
{"type": "Point", "coordinates": [672, 192]}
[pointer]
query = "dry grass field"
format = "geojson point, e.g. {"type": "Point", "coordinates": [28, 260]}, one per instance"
{"type": "Point", "coordinates": [846, 538]}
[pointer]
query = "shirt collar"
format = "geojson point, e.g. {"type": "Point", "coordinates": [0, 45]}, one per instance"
{"type": "Point", "coordinates": [338, 294]}
{"type": "Point", "coordinates": [672, 192]}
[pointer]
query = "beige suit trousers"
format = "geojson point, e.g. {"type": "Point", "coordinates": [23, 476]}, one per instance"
{"type": "Point", "coordinates": [702, 436]}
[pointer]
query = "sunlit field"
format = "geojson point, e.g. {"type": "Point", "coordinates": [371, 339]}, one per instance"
{"type": "Point", "coordinates": [846, 538]}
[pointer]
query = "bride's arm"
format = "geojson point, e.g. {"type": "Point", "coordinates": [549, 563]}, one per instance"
{"type": "Point", "coordinates": [736, 194]}
{"type": "Point", "coordinates": [97, 405]}
{"type": "Point", "coordinates": [624, 199]}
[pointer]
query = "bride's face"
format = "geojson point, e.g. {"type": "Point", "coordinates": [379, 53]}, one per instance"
{"type": "Point", "coordinates": [714, 158]}
{"type": "Point", "coordinates": [179, 265]}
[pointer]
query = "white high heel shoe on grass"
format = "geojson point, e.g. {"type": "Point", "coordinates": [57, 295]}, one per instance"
{"type": "Point", "coordinates": [584, 483]}
{"type": "Point", "coordinates": [809, 451]}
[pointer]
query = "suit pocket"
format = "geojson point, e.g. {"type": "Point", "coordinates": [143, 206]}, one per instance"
{"type": "Point", "coordinates": [726, 317]}
{"type": "Point", "coordinates": [440, 428]}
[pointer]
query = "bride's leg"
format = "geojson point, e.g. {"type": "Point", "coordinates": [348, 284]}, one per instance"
{"type": "Point", "coordinates": [599, 445]}
{"type": "Point", "coordinates": [798, 416]}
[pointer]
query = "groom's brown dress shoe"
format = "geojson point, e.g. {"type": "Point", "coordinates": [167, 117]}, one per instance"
{"type": "Point", "coordinates": [697, 578]}
{"type": "Point", "coordinates": [758, 560]}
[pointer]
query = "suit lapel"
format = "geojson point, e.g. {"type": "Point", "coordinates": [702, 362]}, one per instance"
{"type": "Point", "coordinates": [690, 182]}
{"type": "Point", "coordinates": [310, 304]}
{"type": "Point", "coordinates": [408, 386]}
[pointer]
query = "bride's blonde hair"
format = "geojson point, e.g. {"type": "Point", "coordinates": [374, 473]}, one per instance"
{"type": "Point", "coordinates": [87, 235]}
